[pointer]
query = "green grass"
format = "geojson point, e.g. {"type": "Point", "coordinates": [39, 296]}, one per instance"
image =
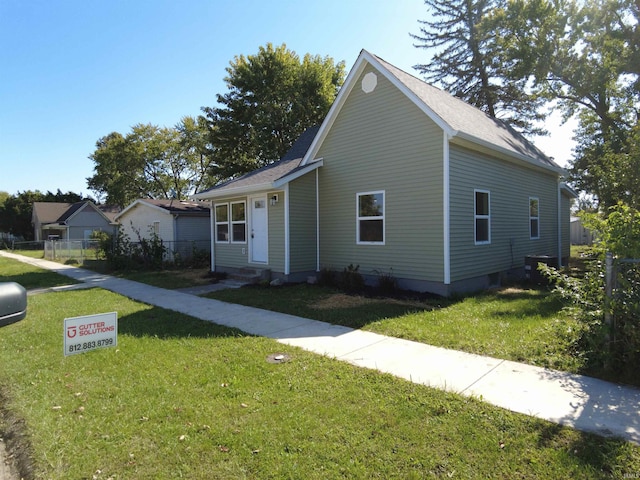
{"type": "Point", "coordinates": [29, 253]}
{"type": "Point", "coordinates": [30, 277]}
{"type": "Point", "coordinates": [182, 398]}
{"type": "Point", "coordinates": [514, 324]}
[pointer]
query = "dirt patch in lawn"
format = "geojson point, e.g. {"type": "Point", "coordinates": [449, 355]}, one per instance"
{"type": "Point", "coordinates": [196, 276]}
{"type": "Point", "coordinates": [341, 300]}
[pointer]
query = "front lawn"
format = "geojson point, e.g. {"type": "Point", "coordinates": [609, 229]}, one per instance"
{"type": "Point", "coordinates": [182, 398]}
{"type": "Point", "coordinates": [30, 277]}
{"type": "Point", "coordinates": [524, 325]}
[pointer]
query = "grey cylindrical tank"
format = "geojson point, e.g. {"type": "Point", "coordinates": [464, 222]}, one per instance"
{"type": "Point", "coordinates": [13, 303]}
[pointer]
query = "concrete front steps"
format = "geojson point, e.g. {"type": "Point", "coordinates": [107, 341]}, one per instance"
{"type": "Point", "coordinates": [250, 275]}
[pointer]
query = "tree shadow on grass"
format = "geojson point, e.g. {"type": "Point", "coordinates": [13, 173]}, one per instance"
{"type": "Point", "coordinates": [526, 303]}
{"type": "Point", "coordinates": [605, 455]}
{"type": "Point", "coordinates": [43, 279]}
{"type": "Point", "coordinates": [166, 324]}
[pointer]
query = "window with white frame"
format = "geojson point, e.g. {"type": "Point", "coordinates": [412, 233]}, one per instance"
{"type": "Point", "coordinates": [155, 228]}
{"type": "Point", "coordinates": [534, 218]}
{"type": "Point", "coordinates": [238, 222]}
{"type": "Point", "coordinates": [482, 217]}
{"type": "Point", "coordinates": [222, 222]}
{"type": "Point", "coordinates": [370, 218]}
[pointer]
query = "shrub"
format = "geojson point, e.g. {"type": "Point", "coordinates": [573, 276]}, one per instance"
{"type": "Point", "coordinates": [387, 283]}
{"type": "Point", "coordinates": [614, 347]}
{"type": "Point", "coordinates": [327, 277]}
{"type": "Point", "coordinates": [351, 280]}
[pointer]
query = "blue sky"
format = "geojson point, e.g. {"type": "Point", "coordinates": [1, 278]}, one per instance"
{"type": "Point", "coordinates": [73, 71]}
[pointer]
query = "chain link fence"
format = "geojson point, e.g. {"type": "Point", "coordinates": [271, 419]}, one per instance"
{"type": "Point", "coordinates": [622, 309]}
{"type": "Point", "coordinates": [78, 250]}
{"type": "Point", "coordinates": [81, 250]}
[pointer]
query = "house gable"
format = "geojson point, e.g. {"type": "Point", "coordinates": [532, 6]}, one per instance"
{"type": "Point", "coordinates": [461, 122]}
{"type": "Point", "coordinates": [381, 141]}
{"type": "Point", "coordinates": [141, 219]}
{"type": "Point", "coordinates": [70, 220]}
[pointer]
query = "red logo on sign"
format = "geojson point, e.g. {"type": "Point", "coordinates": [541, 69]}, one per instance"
{"type": "Point", "coordinates": [71, 332]}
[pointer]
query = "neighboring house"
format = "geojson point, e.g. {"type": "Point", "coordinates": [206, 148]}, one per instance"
{"type": "Point", "coordinates": [579, 234]}
{"type": "Point", "coordinates": [70, 221]}
{"type": "Point", "coordinates": [180, 225]}
{"type": "Point", "coordinates": [400, 178]}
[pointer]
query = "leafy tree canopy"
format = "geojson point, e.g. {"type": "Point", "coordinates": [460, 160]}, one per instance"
{"type": "Point", "coordinates": [152, 162]}
{"type": "Point", "coordinates": [466, 61]}
{"type": "Point", "coordinates": [273, 97]}
{"type": "Point", "coordinates": [584, 57]}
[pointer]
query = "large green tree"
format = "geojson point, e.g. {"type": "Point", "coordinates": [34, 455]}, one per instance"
{"type": "Point", "coordinates": [273, 97]}
{"type": "Point", "coordinates": [582, 56]}
{"type": "Point", "coordinates": [464, 61]}
{"type": "Point", "coordinates": [152, 162]}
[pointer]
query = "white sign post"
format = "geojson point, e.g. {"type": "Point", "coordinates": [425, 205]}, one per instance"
{"type": "Point", "coordinates": [83, 334]}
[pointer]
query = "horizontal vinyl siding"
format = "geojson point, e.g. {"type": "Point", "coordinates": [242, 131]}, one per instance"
{"type": "Point", "coordinates": [566, 225]}
{"type": "Point", "coordinates": [302, 217]}
{"type": "Point", "coordinates": [276, 232]}
{"type": "Point", "coordinates": [382, 141]}
{"type": "Point", "coordinates": [87, 219]}
{"type": "Point", "coordinates": [140, 219]}
{"type": "Point", "coordinates": [231, 254]}
{"type": "Point", "coordinates": [510, 187]}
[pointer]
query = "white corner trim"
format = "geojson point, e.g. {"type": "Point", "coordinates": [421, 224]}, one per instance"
{"type": "Point", "coordinates": [317, 222]}
{"type": "Point", "coordinates": [559, 222]}
{"type": "Point", "coordinates": [287, 232]}
{"type": "Point", "coordinates": [446, 208]}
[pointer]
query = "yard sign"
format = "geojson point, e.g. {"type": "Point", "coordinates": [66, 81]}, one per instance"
{"type": "Point", "coordinates": [83, 334]}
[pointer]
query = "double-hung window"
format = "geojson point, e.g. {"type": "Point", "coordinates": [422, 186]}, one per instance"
{"type": "Point", "coordinates": [482, 217]}
{"type": "Point", "coordinates": [222, 222]}
{"type": "Point", "coordinates": [238, 222]}
{"type": "Point", "coordinates": [534, 218]}
{"type": "Point", "coordinates": [370, 218]}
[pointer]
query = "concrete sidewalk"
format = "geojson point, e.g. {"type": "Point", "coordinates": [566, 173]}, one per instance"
{"type": "Point", "coordinates": [582, 402]}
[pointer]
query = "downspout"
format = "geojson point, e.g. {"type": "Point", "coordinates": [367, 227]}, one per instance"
{"type": "Point", "coordinates": [317, 222]}
{"type": "Point", "coordinates": [446, 214]}
{"type": "Point", "coordinates": [213, 236]}
{"type": "Point", "coordinates": [287, 249]}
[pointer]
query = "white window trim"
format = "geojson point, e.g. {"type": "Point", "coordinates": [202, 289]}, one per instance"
{"type": "Point", "coordinates": [531, 237]}
{"type": "Point", "coordinates": [232, 222]}
{"type": "Point", "coordinates": [481, 217]}
{"type": "Point", "coordinates": [382, 217]}
{"type": "Point", "coordinates": [215, 212]}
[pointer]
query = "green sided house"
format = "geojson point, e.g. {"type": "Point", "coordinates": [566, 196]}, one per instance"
{"type": "Point", "coordinates": [400, 178]}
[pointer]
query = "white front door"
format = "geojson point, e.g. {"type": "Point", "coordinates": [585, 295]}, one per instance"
{"type": "Point", "coordinates": [259, 244]}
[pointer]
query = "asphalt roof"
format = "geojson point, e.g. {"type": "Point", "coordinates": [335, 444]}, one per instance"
{"type": "Point", "coordinates": [467, 119]}
{"type": "Point", "coordinates": [179, 206]}
{"type": "Point", "coordinates": [60, 212]}
{"type": "Point", "coordinates": [270, 173]}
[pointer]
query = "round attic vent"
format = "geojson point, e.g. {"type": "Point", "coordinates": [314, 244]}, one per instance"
{"type": "Point", "coordinates": [369, 82]}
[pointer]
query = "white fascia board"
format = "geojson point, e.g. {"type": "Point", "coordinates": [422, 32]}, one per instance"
{"type": "Point", "coordinates": [346, 88]}
{"type": "Point", "coordinates": [229, 192]}
{"type": "Point", "coordinates": [363, 59]}
{"type": "Point", "coordinates": [141, 202]}
{"type": "Point", "coordinates": [417, 101]}
{"type": "Point", "coordinates": [464, 137]}
{"type": "Point", "coordinates": [298, 173]}
{"type": "Point", "coordinates": [568, 190]}
{"type": "Point", "coordinates": [92, 205]}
